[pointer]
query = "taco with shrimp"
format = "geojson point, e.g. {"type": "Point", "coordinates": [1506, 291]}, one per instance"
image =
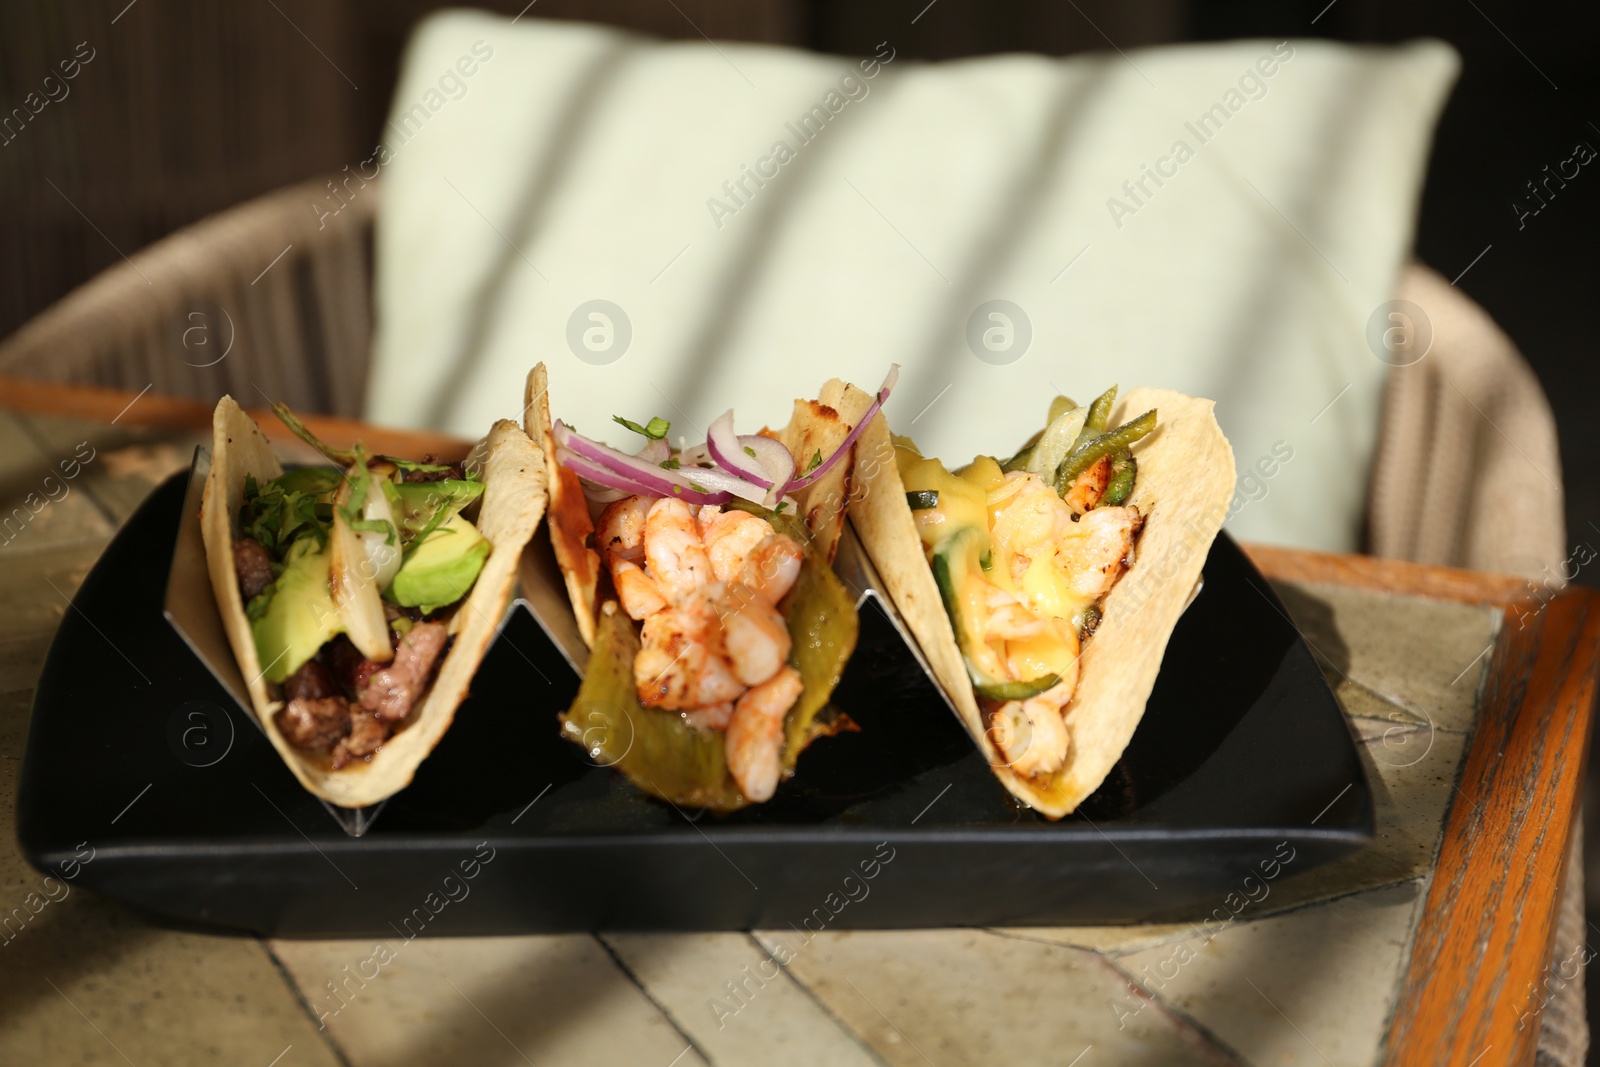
{"type": "Point", "coordinates": [701, 577]}
{"type": "Point", "coordinates": [359, 598]}
{"type": "Point", "coordinates": [1043, 587]}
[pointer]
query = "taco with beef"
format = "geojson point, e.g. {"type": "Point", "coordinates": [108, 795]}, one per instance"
{"type": "Point", "coordinates": [359, 598]}
{"type": "Point", "coordinates": [1043, 587]}
{"type": "Point", "coordinates": [701, 577]}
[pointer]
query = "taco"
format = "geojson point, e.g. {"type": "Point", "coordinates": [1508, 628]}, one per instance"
{"type": "Point", "coordinates": [1043, 588]}
{"type": "Point", "coordinates": [359, 599]}
{"type": "Point", "coordinates": [701, 578]}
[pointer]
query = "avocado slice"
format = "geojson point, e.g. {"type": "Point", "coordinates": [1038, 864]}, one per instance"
{"type": "Point", "coordinates": [300, 616]}
{"type": "Point", "coordinates": [441, 568]}
{"type": "Point", "coordinates": [416, 502]}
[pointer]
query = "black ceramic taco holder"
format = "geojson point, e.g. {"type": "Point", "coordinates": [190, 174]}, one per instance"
{"type": "Point", "coordinates": [142, 750]}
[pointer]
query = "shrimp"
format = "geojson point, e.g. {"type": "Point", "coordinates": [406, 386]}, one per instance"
{"type": "Point", "coordinates": [1031, 735]}
{"type": "Point", "coordinates": [638, 592]}
{"type": "Point", "coordinates": [730, 537]}
{"type": "Point", "coordinates": [673, 550]}
{"type": "Point", "coordinates": [681, 661]}
{"type": "Point", "coordinates": [620, 532]}
{"type": "Point", "coordinates": [744, 548]}
{"type": "Point", "coordinates": [774, 567]}
{"type": "Point", "coordinates": [754, 633]}
{"type": "Point", "coordinates": [754, 744]}
{"type": "Point", "coordinates": [1089, 486]}
{"type": "Point", "coordinates": [714, 717]}
{"type": "Point", "coordinates": [1093, 552]}
{"type": "Point", "coordinates": [1008, 618]}
{"type": "Point", "coordinates": [1054, 650]}
{"type": "Point", "coordinates": [1031, 521]}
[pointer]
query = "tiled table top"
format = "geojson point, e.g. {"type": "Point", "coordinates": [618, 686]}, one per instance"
{"type": "Point", "coordinates": [1310, 974]}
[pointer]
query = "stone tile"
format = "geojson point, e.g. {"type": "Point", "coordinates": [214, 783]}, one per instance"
{"type": "Point", "coordinates": [481, 1000]}
{"type": "Point", "coordinates": [1314, 987]}
{"type": "Point", "coordinates": [1106, 940]}
{"type": "Point", "coordinates": [1412, 772]}
{"type": "Point", "coordinates": [127, 463]}
{"type": "Point", "coordinates": [1418, 653]}
{"type": "Point", "coordinates": [729, 994]}
{"type": "Point", "coordinates": [33, 608]}
{"type": "Point", "coordinates": [156, 996]}
{"type": "Point", "coordinates": [21, 660]}
{"type": "Point", "coordinates": [971, 996]}
{"type": "Point", "coordinates": [1359, 702]}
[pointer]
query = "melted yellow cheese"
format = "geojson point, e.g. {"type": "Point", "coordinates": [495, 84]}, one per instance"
{"type": "Point", "coordinates": [1038, 577]}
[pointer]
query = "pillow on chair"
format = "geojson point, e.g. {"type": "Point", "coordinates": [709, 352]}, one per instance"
{"type": "Point", "coordinates": [1221, 219]}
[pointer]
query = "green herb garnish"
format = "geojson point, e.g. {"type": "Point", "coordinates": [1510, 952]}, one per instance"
{"type": "Point", "coordinates": [289, 507]}
{"type": "Point", "coordinates": [655, 429]}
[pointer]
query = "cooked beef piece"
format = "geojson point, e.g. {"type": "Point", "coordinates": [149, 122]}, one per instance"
{"type": "Point", "coordinates": [311, 682]}
{"type": "Point", "coordinates": [348, 666]}
{"type": "Point", "coordinates": [315, 725]}
{"type": "Point", "coordinates": [391, 692]}
{"type": "Point", "coordinates": [253, 564]}
{"type": "Point", "coordinates": [367, 735]}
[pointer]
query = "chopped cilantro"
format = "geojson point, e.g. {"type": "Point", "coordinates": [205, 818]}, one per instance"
{"type": "Point", "coordinates": [294, 505]}
{"type": "Point", "coordinates": [749, 451]}
{"type": "Point", "coordinates": [816, 461]}
{"type": "Point", "coordinates": [671, 463]}
{"type": "Point", "coordinates": [655, 429]}
{"type": "Point", "coordinates": [779, 509]}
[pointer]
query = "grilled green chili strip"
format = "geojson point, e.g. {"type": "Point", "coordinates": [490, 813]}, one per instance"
{"type": "Point", "coordinates": [1087, 454]}
{"type": "Point", "coordinates": [1099, 415]}
{"type": "Point", "coordinates": [1124, 468]}
{"type": "Point", "coordinates": [1018, 462]}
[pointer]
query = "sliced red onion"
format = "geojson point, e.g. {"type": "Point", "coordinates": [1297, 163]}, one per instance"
{"type": "Point", "coordinates": [752, 467]}
{"type": "Point", "coordinates": [723, 482]}
{"type": "Point", "coordinates": [727, 449]}
{"type": "Point", "coordinates": [655, 451]}
{"type": "Point", "coordinates": [694, 455]}
{"type": "Point", "coordinates": [599, 474]}
{"type": "Point", "coordinates": [776, 462]}
{"type": "Point", "coordinates": [649, 479]}
{"type": "Point", "coordinates": [599, 494]}
{"type": "Point", "coordinates": [810, 477]}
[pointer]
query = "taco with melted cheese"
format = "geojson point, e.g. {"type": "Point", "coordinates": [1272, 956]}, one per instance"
{"type": "Point", "coordinates": [359, 598]}
{"type": "Point", "coordinates": [1043, 587]}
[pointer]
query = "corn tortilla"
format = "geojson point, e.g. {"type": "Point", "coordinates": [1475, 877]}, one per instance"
{"type": "Point", "coordinates": [513, 501]}
{"type": "Point", "coordinates": [1184, 483]}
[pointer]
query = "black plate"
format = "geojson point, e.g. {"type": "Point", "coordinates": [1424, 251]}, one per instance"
{"type": "Point", "coordinates": [138, 754]}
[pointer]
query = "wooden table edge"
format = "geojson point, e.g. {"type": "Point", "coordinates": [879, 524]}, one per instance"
{"type": "Point", "coordinates": [153, 411]}
{"type": "Point", "coordinates": [1474, 956]}
{"type": "Point", "coordinates": [1476, 975]}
